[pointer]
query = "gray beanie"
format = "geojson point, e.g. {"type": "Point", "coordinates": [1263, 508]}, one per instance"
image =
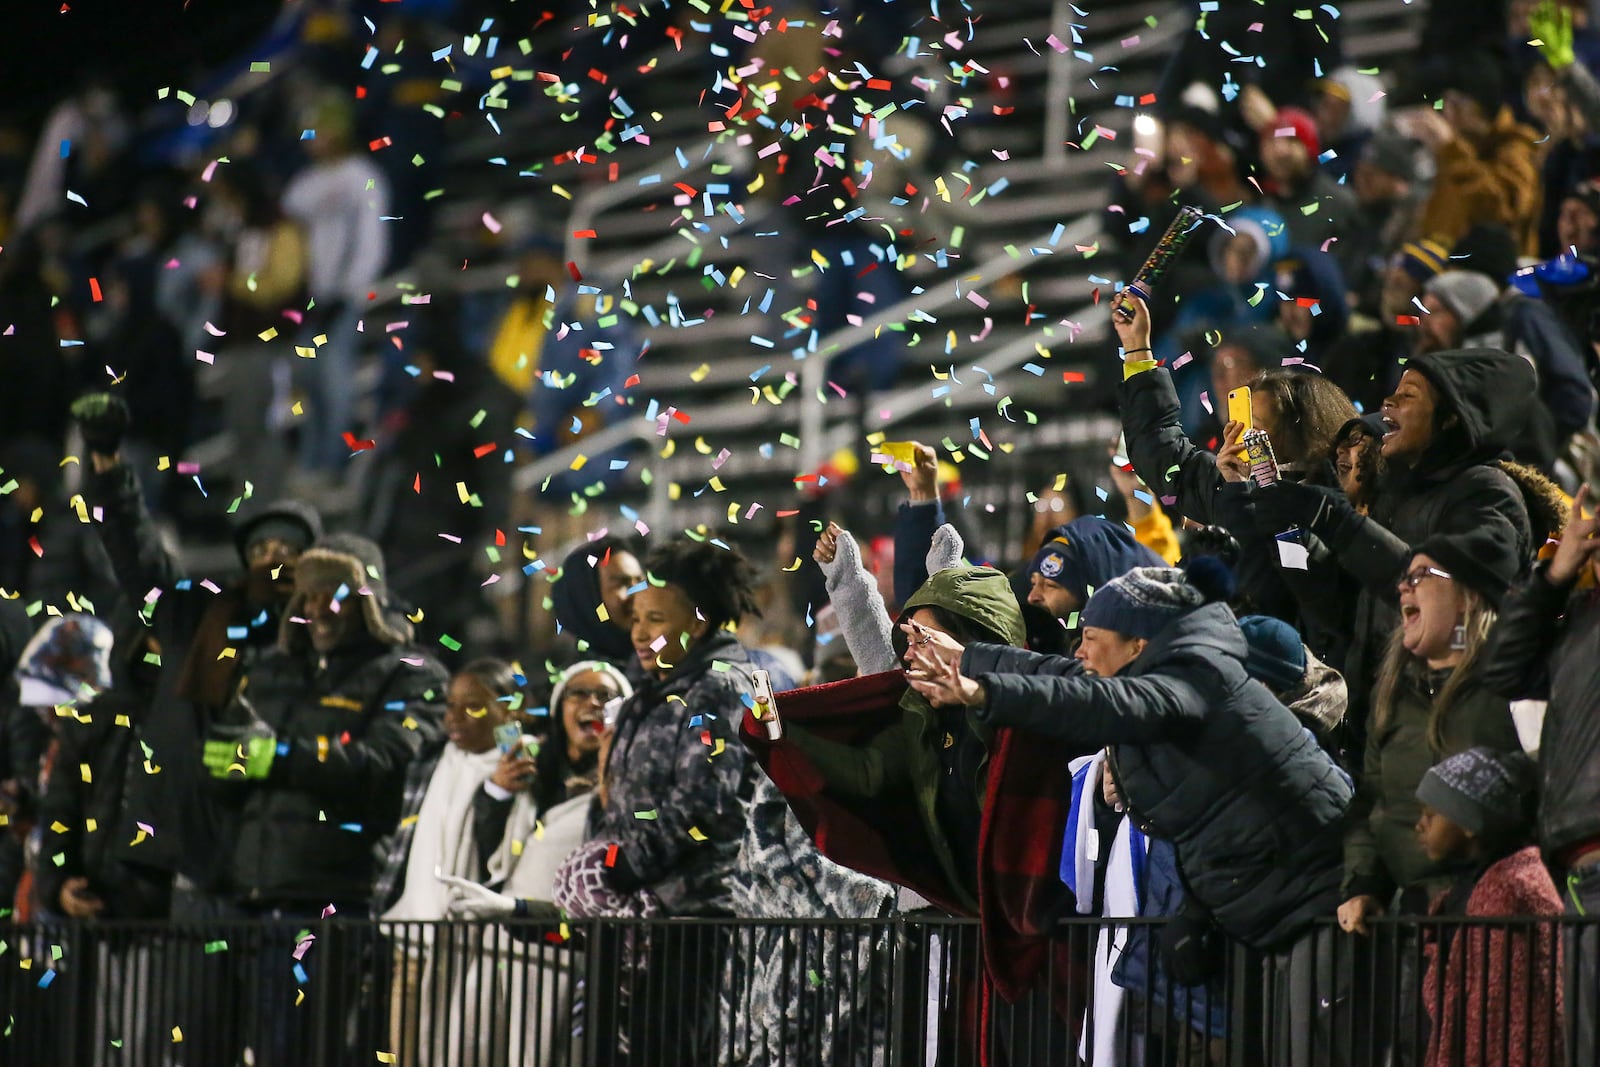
{"type": "Point", "coordinates": [1142, 601]}
{"type": "Point", "coordinates": [1465, 292]}
{"type": "Point", "coordinates": [1482, 790]}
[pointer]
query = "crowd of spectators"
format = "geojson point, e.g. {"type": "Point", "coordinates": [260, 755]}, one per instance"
{"type": "Point", "coordinates": [1329, 660]}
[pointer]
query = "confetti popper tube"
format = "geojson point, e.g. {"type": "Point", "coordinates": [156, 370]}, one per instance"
{"type": "Point", "coordinates": [1161, 258]}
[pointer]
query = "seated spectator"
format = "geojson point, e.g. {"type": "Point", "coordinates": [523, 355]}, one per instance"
{"type": "Point", "coordinates": [1294, 183]}
{"type": "Point", "coordinates": [1160, 677]}
{"type": "Point", "coordinates": [1491, 992]}
{"type": "Point", "coordinates": [445, 832]}
{"type": "Point", "coordinates": [1428, 704]}
{"type": "Point", "coordinates": [1483, 157]}
{"type": "Point", "coordinates": [1389, 197]}
{"type": "Point", "coordinates": [1450, 419]}
{"type": "Point", "coordinates": [1542, 649]}
{"type": "Point", "coordinates": [1349, 108]}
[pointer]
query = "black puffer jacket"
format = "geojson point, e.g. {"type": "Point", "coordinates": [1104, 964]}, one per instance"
{"type": "Point", "coordinates": [1453, 488]}
{"type": "Point", "coordinates": [316, 830]}
{"type": "Point", "coordinates": [1546, 645]}
{"type": "Point", "coordinates": [1203, 756]}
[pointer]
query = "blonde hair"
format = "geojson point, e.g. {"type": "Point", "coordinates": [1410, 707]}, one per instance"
{"type": "Point", "coordinates": [1478, 620]}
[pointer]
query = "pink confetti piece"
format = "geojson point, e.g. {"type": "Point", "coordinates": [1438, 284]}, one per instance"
{"type": "Point", "coordinates": [215, 331]}
{"type": "Point", "coordinates": [211, 587]}
{"type": "Point", "coordinates": [329, 910]}
{"type": "Point", "coordinates": [980, 301]}
{"type": "Point", "coordinates": [491, 223]}
{"type": "Point", "coordinates": [205, 357]}
{"type": "Point", "coordinates": [304, 946]}
{"type": "Point", "coordinates": [146, 827]}
{"type": "Point", "coordinates": [1055, 42]}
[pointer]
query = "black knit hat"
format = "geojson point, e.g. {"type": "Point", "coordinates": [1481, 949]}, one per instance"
{"type": "Point", "coordinates": [290, 521]}
{"type": "Point", "coordinates": [1485, 564]}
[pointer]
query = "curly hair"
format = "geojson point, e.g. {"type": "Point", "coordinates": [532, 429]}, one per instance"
{"type": "Point", "coordinates": [1311, 410]}
{"type": "Point", "coordinates": [719, 582]}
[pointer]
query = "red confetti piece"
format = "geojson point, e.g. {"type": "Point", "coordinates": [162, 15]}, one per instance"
{"type": "Point", "coordinates": [1408, 320]}
{"type": "Point", "coordinates": [380, 143]}
{"type": "Point", "coordinates": [355, 445]}
{"type": "Point", "coordinates": [416, 484]}
{"type": "Point", "coordinates": [572, 269]}
{"type": "Point", "coordinates": [584, 233]}
{"type": "Point", "coordinates": [38, 549]}
{"type": "Point", "coordinates": [1307, 301]}
{"type": "Point", "coordinates": [611, 855]}
{"type": "Point", "coordinates": [500, 538]}
{"type": "Point", "coordinates": [633, 380]}
{"type": "Point", "coordinates": [482, 450]}
{"type": "Point", "coordinates": [879, 83]}
{"type": "Point", "coordinates": [94, 289]}
{"type": "Point", "coordinates": [1072, 376]}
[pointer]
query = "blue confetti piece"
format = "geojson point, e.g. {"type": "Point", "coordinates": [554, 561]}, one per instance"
{"type": "Point", "coordinates": [300, 976]}
{"type": "Point", "coordinates": [46, 978]}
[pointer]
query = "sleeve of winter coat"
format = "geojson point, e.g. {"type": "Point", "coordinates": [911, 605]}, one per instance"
{"type": "Point", "coordinates": [1470, 189]}
{"type": "Point", "coordinates": [863, 620]}
{"type": "Point", "coordinates": [980, 658]}
{"type": "Point", "coordinates": [866, 771]}
{"type": "Point", "coordinates": [1090, 712]}
{"type": "Point", "coordinates": [1162, 454]}
{"type": "Point", "coordinates": [62, 805]}
{"type": "Point", "coordinates": [1584, 92]}
{"type": "Point", "coordinates": [703, 803]}
{"type": "Point", "coordinates": [138, 558]}
{"type": "Point", "coordinates": [1563, 383]}
{"type": "Point", "coordinates": [1363, 868]}
{"type": "Point", "coordinates": [914, 525]}
{"type": "Point", "coordinates": [1481, 500]}
{"type": "Point", "coordinates": [1516, 659]}
{"type": "Point", "coordinates": [372, 766]}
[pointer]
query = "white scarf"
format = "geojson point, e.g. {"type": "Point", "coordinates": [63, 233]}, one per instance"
{"type": "Point", "coordinates": [443, 841]}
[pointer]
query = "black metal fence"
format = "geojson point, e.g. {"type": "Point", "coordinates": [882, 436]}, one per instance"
{"type": "Point", "coordinates": [907, 990]}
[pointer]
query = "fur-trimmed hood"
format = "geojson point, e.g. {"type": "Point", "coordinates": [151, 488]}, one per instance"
{"type": "Point", "coordinates": [354, 566]}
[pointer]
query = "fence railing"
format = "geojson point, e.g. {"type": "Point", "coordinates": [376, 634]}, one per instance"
{"type": "Point", "coordinates": [904, 990]}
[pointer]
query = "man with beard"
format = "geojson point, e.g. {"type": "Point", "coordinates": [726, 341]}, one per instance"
{"type": "Point", "coordinates": [210, 636]}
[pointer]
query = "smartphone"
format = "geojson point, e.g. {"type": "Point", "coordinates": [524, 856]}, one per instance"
{"type": "Point", "coordinates": [1239, 406]}
{"type": "Point", "coordinates": [766, 708]}
{"type": "Point", "coordinates": [507, 736]}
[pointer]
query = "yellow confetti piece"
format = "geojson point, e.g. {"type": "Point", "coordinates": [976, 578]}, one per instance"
{"type": "Point", "coordinates": [177, 1035]}
{"type": "Point", "coordinates": [268, 334]}
{"type": "Point", "coordinates": [601, 613]}
{"type": "Point", "coordinates": [386, 1057]}
{"type": "Point", "coordinates": [320, 339]}
{"type": "Point", "coordinates": [699, 373]}
{"type": "Point", "coordinates": [461, 491]}
{"type": "Point", "coordinates": [900, 451]}
{"type": "Point", "coordinates": [91, 825]}
{"type": "Point", "coordinates": [579, 461]}
{"type": "Point", "coordinates": [88, 775]}
{"type": "Point", "coordinates": [297, 408]}
{"type": "Point", "coordinates": [694, 832]}
{"type": "Point", "coordinates": [227, 653]}
{"type": "Point", "coordinates": [305, 351]}
{"type": "Point", "coordinates": [163, 463]}
{"type": "Point", "coordinates": [793, 566]}
{"type": "Point", "coordinates": [562, 193]}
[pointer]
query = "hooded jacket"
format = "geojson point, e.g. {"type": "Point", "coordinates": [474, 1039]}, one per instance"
{"type": "Point", "coordinates": [677, 782]}
{"type": "Point", "coordinates": [347, 724]}
{"type": "Point", "coordinates": [1498, 183]}
{"type": "Point", "coordinates": [1546, 646]}
{"type": "Point", "coordinates": [1381, 853]}
{"type": "Point", "coordinates": [911, 759]}
{"type": "Point", "coordinates": [1203, 756]}
{"type": "Point", "coordinates": [1455, 486]}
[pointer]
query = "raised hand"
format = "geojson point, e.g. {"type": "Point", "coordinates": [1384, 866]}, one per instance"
{"type": "Point", "coordinates": [1578, 544]}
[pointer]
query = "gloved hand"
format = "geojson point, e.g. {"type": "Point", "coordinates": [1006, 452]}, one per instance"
{"type": "Point", "coordinates": [1285, 504]}
{"type": "Point", "coordinates": [1191, 946]}
{"type": "Point", "coordinates": [104, 419]}
{"type": "Point", "coordinates": [247, 759]}
{"type": "Point", "coordinates": [1551, 24]}
{"type": "Point", "coordinates": [469, 900]}
{"type": "Point", "coordinates": [945, 551]}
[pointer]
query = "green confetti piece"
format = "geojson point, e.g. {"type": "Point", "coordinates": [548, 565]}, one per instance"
{"type": "Point", "coordinates": [153, 658]}
{"type": "Point", "coordinates": [477, 420]}
{"type": "Point", "coordinates": [260, 66]}
{"type": "Point", "coordinates": [449, 642]}
{"type": "Point", "coordinates": [213, 947]}
{"type": "Point", "coordinates": [647, 816]}
{"type": "Point", "coordinates": [814, 978]}
{"type": "Point", "coordinates": [56, 953]}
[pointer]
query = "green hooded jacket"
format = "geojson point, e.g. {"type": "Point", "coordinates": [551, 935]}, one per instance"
{"type": "Point", "coordinates": [906, 756]}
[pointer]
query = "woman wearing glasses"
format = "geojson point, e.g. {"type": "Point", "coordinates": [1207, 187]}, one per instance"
{"type": "Point", "coordinates": [1426, 706]}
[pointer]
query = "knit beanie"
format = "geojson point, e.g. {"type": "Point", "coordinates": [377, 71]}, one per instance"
{"type": "Point", "coordinates": [1466, 293]}
{"type": "Point", "coordinates": [575, 598]}
{"type": "Point", "coordinates": [1086, 553]}
{"type": "Point", "coordinates": [1422, 260]}
{"type": "Point", "coordinates": [295, 523]}
{"type": "Point", "coordinates": [1485, 564]}
{"type": "Point", "coordinates": [1481, 790]}
{"type": "Point", "coordinates": [1142, 602]}
{"type": "Point", "coordinates": [1276, 656]}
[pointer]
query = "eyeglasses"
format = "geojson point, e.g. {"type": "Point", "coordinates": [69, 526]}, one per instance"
{"type": "Point", "coordinates": [1411, 578]}
{"type": "Point", "coordinates": [602, 696]}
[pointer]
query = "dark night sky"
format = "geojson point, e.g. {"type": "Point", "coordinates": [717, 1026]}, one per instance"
{"type": "Point", "coordinates": [138, 44]}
